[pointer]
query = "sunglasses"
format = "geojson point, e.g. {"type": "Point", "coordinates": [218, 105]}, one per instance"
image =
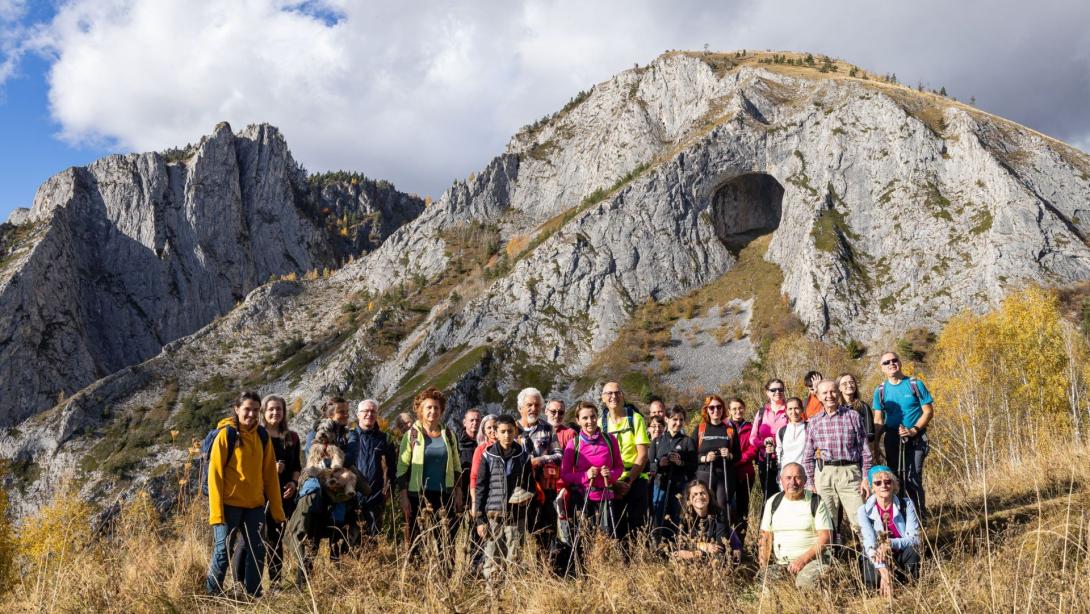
{"type": "Point", "coordinates": [556, 411]}
{"type": "Point", "coordinates": [711, 407]}
{"type": "Point", "coordinates": [775, 390]}
{"type": "Point", "coordinates": [883, 482]}
{"type": "Point", "coordinates": [891, 361]}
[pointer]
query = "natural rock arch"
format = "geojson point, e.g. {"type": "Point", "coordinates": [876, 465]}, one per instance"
{"type": "Point", "coordinates": [746, 207]}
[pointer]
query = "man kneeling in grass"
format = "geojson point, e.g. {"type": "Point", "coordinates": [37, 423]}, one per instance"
{"type": "Point", "coordinates": [505, 487]}
{"type": "Point", "coordinates": [796, 526]}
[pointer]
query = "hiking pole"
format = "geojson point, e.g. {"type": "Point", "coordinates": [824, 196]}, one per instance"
{"type": "Point", "coordinates": [579, 525]}
{"type": "Point", "coordinates": [726, 491]}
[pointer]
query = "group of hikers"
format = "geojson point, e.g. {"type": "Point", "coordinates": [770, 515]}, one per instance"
{"type": "Point", "coordinates": [612, 472]}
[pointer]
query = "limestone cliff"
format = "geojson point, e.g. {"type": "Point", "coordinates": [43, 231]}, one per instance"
{"type": "Point", "coordinates": [120, 257]}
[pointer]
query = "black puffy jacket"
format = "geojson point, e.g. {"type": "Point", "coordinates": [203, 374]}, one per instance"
{"type": "Point", "coordinates": [498, 477]}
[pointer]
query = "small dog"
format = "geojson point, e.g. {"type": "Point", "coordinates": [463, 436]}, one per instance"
{"type": "Point", "coordinates": [340, 484]}
{"type": "Point", "coordinates": [324, 452]}
{"type": "Point", "coordinates": [325, 462]}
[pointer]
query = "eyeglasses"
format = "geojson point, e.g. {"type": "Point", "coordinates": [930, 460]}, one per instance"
{"type": "Point", "coordinates": [891, 361]}
{"type": "Point", "coordinates": [883, 482]}
{"type": "Point", "coordinates": [775, 390]}
{"type": "Point", "coordinates": [556, 412]}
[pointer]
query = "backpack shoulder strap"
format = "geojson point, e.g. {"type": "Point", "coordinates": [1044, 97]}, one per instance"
{"type": "Point", "coordinates": [782, 432]}
{"type": "Point", "coordinates": [777, 499]}
{"type": "Point", "coordinates": [629, 413]}
{"type": "Point", "coordinates": [232, 441]}
{"type": "Point", "coordinates": [914, 384]}
{"type": "Point", "coordinates": [614, 452]}
{"type": "Point", "coordinates": [264, 435]}
{"type": "Point", "coordinates": [882, 396]}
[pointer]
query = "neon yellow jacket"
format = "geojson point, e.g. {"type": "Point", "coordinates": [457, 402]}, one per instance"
{"type": "Point", "coordinates": [248, 479]}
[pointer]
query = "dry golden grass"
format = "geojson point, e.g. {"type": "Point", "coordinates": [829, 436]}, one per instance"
{"type": "Point", "coordinates": [1015, 541]}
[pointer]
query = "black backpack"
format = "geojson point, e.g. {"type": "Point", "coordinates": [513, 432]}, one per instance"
{"type": "Point", "coordinates": [232, 441]}
{"type": "Point", "coordinates": [777, 499]}
{"type": "Point", "coordinates": [629, 410]}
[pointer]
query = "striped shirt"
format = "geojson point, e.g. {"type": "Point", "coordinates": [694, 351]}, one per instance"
{"type": "Point", "coordinates": [840, 437]}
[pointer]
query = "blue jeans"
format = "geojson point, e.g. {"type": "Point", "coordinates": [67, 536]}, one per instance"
{"type": "Point", "coordinates": [666, 504]}
{"type": "Point", "coordinates": [247, 524]}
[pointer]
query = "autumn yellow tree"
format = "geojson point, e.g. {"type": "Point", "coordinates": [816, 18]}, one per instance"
{"type": "Point", "coordinates": [8, 549]}
{"type": "Point", "coordinates": [58, 531]}
{"type": "Point", "coordinates": [1003, 379]}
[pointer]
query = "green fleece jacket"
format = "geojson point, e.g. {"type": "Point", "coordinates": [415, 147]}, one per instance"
{"type": "Point", "coordinates": [410, 460]}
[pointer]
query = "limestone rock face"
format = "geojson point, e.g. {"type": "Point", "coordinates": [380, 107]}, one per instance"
{"type": "Point", "coordinates": [888, 210]}
{"type": "Point", "coordinates": [133, 252]}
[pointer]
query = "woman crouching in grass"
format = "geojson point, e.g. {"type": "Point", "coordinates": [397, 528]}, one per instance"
{"type": "Point", "coordinates": [891, 533]}
{"type": "Point", "coordinates": [703, 534]}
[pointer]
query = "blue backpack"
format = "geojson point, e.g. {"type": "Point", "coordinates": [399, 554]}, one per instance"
{"type": "Point", "coordinates": [232, 441]}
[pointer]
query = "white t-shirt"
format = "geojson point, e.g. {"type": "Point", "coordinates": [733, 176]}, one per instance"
{"type": "Point", "coordinates": [794, 529]}
{"type": "Point", "coordinates": [792, 446]}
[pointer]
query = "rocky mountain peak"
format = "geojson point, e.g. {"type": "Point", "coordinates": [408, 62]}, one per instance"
{"type": "Point", "coordinates": [134, 251]}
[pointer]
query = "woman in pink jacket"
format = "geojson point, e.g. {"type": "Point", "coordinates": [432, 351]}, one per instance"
{"type": "Point", "coordinates": [590, 466]}
{"type": "Point", "coordinates": [766, 424]}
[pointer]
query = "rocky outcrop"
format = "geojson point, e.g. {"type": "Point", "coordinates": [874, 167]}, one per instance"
{"type": "Point", "coordinates": [360, 212]}
{"type": "Point", "coordinates": [136, 251]}
{"type": "Point", "coordinates": [886, 213]}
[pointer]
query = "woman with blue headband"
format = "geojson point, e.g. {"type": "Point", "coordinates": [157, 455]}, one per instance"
{"type": "Point", "coordinates": [891, 533]}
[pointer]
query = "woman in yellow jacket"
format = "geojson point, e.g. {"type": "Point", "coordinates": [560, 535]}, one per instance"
{"type": "Point", "coordinates": [241, 479]}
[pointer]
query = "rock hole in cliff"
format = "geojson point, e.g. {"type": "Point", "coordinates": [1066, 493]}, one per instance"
{"type": "Point", "coordinates": [745, 208]}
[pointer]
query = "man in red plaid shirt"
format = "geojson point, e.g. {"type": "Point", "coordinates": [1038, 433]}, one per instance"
{"type": "Point", "coordinates": [837, 456]}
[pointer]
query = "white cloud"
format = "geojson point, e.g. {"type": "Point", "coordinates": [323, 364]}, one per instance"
{"type": "Point", "coordinates": [421, 93]}
{"type": "Point", "coordinates": [12, 34]}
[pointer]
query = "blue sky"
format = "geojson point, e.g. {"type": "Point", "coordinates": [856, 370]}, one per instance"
{"type": "Point", "coordinates": [31, 153]}
{"type": "Point", "coordinates": [427, 92]}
